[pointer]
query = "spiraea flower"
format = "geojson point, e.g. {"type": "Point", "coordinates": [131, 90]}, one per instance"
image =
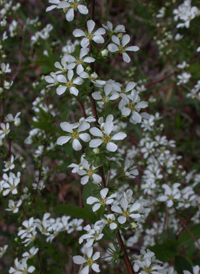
{"type": "Point", "coordinates": [74, 134]}
{"type": "Point", "coordinates": [126, 210]}
{"type": "Point", "coordinates": [72, 5]}
{"type": "Point", "coordinates": [14, 206]}
{"type": "Point", "coordinates": [79, 62]}
{"type": "Point", "coordinates": [87, 171]}
{"type": "Point", "coordinates": [5, 129]}
{"type": "Point", "coordinates": [102, 201]}
{"type": "Point", "coordinates": [121, 46]}
{"type": "Point", "coordinates": [88, 261]}
{"type": "Point", "coordinates": [105, 135]}
{"type": "Point", "coordinates": [90, 35]}
{"type": "Point", "coordinates": [70, 83]}
{"type": "Point", "coordinates": [21, 267]}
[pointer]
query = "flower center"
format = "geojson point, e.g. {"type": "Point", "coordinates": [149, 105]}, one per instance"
{"type": "Point", "coordinates": [104, 99]}
{"type": "Point", "coordinates": [12, 188]}
{"type": "Point", "coordinates": [69, 84]}
{"type": "Point", "coordinates": [90, 262]}
{"type": "Point", "coordinates": [110, 220]}
{"type": "Point", "coordinates": [147, 270]}
{"type": "Point", "coordinates": [74, 5]}
{"type": "Point", "coordinates": [75, 135]}
{"type": "Point", "coordinates": [131, 106]}
{"type": "Point", "coordinates": [106, 139]}
{"type": "Point", "coordinates": [25, 271]}
{"type": "Point", "coordinates": [79, 62]}
{"type": "Point", "coordinates": [121, 49]}
{"type": "Point", "coordinates": [92, 78]}
{"type": "Point", "coordinates": [126, 214]}
{"type": "Point", "coordinates": [171, 197]}
{"type": "Point", "coordinates": [103, 202]}
{"type": "Point", "coordinates": [90, 36]}
{"type": "Point", "coordinates": [90, 172]}
{"type": "Point", "coordinates": [5, 131]}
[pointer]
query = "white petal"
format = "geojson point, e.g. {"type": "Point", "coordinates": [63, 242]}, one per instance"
{"type": "Point", "coordinates": [98, 39]}
{"type": "Point", "coordinates": [82, 9]}
{"type": "Point", "coordinates": [126, 58]}
{"type": "Point", "coordinates": [85, 42]}
{"type": "Point", "coordinates": [121, 219]}
{"type": "Point", "coordinates": [96, 132]}
{"type": "Point", "coordinates": [95, 142]}
{"type": "Point", "coordinates": [112, 47]}
{"type": "Point", "coordinates": [111, 147]}
{"type": "Point", "coordinates": [78, 81]}
{"type": "Point", "coordinates": [63, 140]}
{"type": "Point", "coordinates": [85, 270]}
{"type": "Point", "coordinates": [104, 193]}
{"type": "Point", "coordinates": [125, 40]}
{"type": "Point", "coordinates": [115, 39]}
{"type": "Point", "coordinates": [96, 207]}
{"type": "Point", "coordinates": [66, 126]}
{"type": "Point", "coordinates": [76, 145]}
{"type": "Point", "coordinates": [90, 25]}
{"type": "Point", "coordinates": [70, 15]}
{"type": "Point", "coordinates": [85, 137]}
{"type": "Point", "coordinates": [91, 200]}
{"type": "Point", "coordinates": [74, 91]}
{"type": "Point", "coordinates": [97, 178]}
{"type": "Point", "coordinates": [79, 260]}
{"type": "Point", "coordinates": [84, 180]}
{"type": "Point", "coordinates": [136, 117]}
{"type": "Point", "coordinates": [61, 78]}
{"type": "Point", "coordinates": [60, 90]}
{"type": "Point", "coordinates": [100, 31]}
{"type": "Point", "coordinates": [132, 48]}
{"type": "Point", "coordinates": [119, 136]}
{"type": "Point", "coordinates": [95, 267]}
{"type": "Point", "coordinates": [78, 33]}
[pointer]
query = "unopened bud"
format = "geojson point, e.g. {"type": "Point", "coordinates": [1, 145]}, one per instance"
{"type": "Point", "coordinates": [104, 52]}
{"type": "Point", "coordinates": [96, 150]}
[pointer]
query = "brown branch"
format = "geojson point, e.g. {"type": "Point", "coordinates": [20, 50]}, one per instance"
{"type": "Point", "coordinates": [184, 224]}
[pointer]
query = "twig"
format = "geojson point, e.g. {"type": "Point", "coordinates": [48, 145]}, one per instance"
{"type": "Point", "coordinates": [184, 224]}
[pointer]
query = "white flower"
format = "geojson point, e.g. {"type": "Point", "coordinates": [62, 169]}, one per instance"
{"type": "Point", "coordinates": [21, 267]}
{"type": "Point", "coordinates": [118, 29]}
{"type": "Point", "coordinates": [89, 261]}
{"type": "Point", "coordinates": [171, 194]}
{"type": "Point", "coordinates": [89, 35]}
{"type": "Point", "coordinates": [104, 134]}
{"type": "Point", "coordinates": [16, 120]}
{"type": "Point", "coordinates": [126, 210]}
{"type": "Point", "coordinates": [9, 165]}
{"type": "Point", "coordinates": [52, 79]}
{"type": "Point", "coordinates": [133, 106]}
{"type": "Point", "coordinates": [54, 6]}
{"type": "Point", "coordinates": [110, 218]}
{"type": "Point", "coordinates": [102, 201]}
{"type": "Point", "coordinates": [5, 130]}
{"type": "Point", "coordinates": [73, 62]}
{"type": "Point", "coordinates": [5, 68]}
{"type": "Point", "coordinates": [70, 83]}
{"type": "Point", "coordinates": [75, 225]}
{"type": "Point", "coordinates": [11, 186]}
{"type": "Point", "coordinates": [74, 135]}
{"type": "Point", "coordinates": [3, 250]}
{"type": "Point", "coordinates": [183, 78]}
{"type": "Point", "coordinates": [130, 170]}
{"type": "Point", "coordinates": [120, 46]}
{"type": "Point", "coordinates": [72, 5]}
{"type": "Point", "coordinates": [14, 206]}
{"type": "Point", "coordinates": [30, 254]}
{"type": "Point", "coordinates": [87, 171]}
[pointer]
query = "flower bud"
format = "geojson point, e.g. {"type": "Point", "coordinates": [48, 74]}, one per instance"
{"type": "Point", "coordinates": [96, 150]}
{"type": "Point", "coordinates": [104, 53]}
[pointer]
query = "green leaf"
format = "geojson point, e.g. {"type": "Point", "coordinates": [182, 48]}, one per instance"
{"type": "Point", "coordinates": [181, 264]}
{"type": "Point", "coordinates": [77, 212]}
{"type": "Point", "coordinates": [186, 238]}
{"type": "Point", "coordinates": [165, 251]}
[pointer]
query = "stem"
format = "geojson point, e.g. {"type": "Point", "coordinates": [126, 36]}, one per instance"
{"type": "Point", "coordinates": [184, 224]}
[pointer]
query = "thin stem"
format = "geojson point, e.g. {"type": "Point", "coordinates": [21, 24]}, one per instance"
{"type": "Point", "coordinates": [184, 224]}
